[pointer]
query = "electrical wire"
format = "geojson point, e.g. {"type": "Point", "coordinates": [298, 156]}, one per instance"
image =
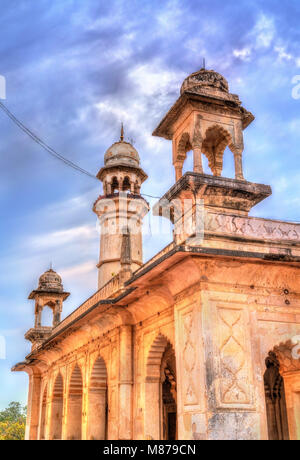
{"type": "Point", "coordinates": [40, 142]}
{"type": "Point", "coordinates": [49, 149]}
{"type": "Point", "coordinates": [60, 157]}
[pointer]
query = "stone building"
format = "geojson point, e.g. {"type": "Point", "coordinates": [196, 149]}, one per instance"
{"type": "Point", "coordinates": [200, 342]}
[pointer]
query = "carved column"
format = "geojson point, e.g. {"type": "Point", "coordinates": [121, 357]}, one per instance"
{"type": "Point", "coordinates": [33, 405]}
{"type": "Point", "coordinates": [65, 405]}
{"type": "Point", "coordinates": [132, 186]}
{"type": "Point", "coordinates": [178, 170]}
{"type": "Point", "coordinates": [85, 399]}
{"type": "Point", "coordinates": [57, 312]}
{"type": "Point", "coordinates": [197, 159]}
{"type": "Point", "coordinates": [125, 383]}
{"type": "Point", "coordinates": [38, 314]}
{"type": "Point", "coordinates": [238, 164]}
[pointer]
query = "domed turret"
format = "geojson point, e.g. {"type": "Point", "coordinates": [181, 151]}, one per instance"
{"type": "Point", "coordinates": [50, 292]}
{"type": "Point", "coordinates": [207, 80]}
{"type": "Point", "coordinates": [50, 281]}
{"type": "Point", "coordinates": [121, 170]}
{"type": "Point", "coordinates": [121, 153]}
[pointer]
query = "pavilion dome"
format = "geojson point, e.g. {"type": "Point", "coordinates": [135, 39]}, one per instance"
{"type": "Point", "coordinates": [204, 81]}
{"type": "Point", "coordinates": [121, 152]}
{"type": "Point", "coordinates": [50, 281]}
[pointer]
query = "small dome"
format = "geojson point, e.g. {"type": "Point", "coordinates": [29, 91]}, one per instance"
{"type": "Point", "coordinates": [204, 81]}
{"type": "Point", "coordinates": [50, 281]}
{"type": "Point", "coordinates": [121, 153]}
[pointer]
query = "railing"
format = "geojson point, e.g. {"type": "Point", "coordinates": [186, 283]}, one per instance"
{"type": "Point", "coordinates": [104, 293]}
{"type": "Point", "coordinates": [156, 257]}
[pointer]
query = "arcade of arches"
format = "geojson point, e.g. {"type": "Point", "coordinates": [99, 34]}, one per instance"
{"type": "Point", "coordinates": [149, 381]}
{"type": "Point", "coordinates": [203, 340]}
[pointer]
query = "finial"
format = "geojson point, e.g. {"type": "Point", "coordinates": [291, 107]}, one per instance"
{"type": "Point", "coordinates": [122, 133]}
{"type": "Point", "coordinates": [50, 265]}
{"type": "Point", "coordinates": [204, 63]}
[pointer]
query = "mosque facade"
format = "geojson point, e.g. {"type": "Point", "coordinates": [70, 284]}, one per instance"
{"type": "Point", "coordinates": [201, 341]}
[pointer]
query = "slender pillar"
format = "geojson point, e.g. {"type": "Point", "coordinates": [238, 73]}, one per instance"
{"type": "Point", "coordinates": [197, 160]}
{"type": "Point", "coordinates": [178, 170]}
{"type": "Point", "coordinates": [33, 406]}
{"type": "Point", "coordinates": [125, 383]}
{"type": "Point", "coordinates": [65, 414]}
{"type": "Point", "coordinates": [238, 165]}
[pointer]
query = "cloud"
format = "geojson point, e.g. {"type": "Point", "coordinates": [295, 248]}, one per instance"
{"type": "Point", "coordinates": [264, 31]}
{"type": "Point", "coordinates": [74, 70]}
{"type": "Point", "coordinates": [62, 237]}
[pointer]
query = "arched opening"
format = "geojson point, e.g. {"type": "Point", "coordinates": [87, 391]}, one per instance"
{"type": "Point", "coordinates": [57, 408]}
{"type": "Point", "coordinates": [126, 184]}
{"type": "Point", "coordinates": [74, 419]}
{"type": "Point", "coordinates": [43, 414]}
{"type": "Point", "coordinates": [160, 389]}
{"type": "Point", "coordinates": [169, 394]}
{"type": "Point", "coordinates": [275, 400]}
{"type": "Point", "coordinates": [97, 405]}
{"type": "Point", "coordinates": [213, 146]}
{"type": "Point", "coordinates": [47, 315]}
{"type": "Point", "coordinates": [289, 368]}
{"type": "Point", "coordinates": [114, 185]}
{"type": "Point", "coordinates": [188, 165]}
{"type": "Point", "coordinates": [228, 164]}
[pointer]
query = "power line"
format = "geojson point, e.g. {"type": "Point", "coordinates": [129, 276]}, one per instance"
{"type": "Point", "coordinates": [49, 149]}
{"type": "Point", "coordinates": [40, 142]}
{"type": "Point", "coordinates": [57, 155]}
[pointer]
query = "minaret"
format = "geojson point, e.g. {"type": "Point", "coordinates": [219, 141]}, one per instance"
{"type": "Point", "coordinates": [50, 293]}
{"type": "Point", "coordinates": [120, 209]}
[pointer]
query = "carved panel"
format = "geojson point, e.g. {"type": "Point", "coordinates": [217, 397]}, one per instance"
{"type": "Point", "coordinates": [252, 227]}
{"type": "Point", "coordinates": [234, 382]}
{"type": "Point", "coordinates": [189, 349]}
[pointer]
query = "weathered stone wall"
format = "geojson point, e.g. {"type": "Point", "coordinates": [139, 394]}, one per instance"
{"type": "Point", "coordinates": [221, 316]}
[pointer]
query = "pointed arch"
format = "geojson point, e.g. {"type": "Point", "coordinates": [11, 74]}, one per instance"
{"type": "Point", "coordinates": [57, 408]}
{"type": "Point", "coordinates": [155, 356]}
{"type": "Point", "coordinates": [126, 184]}
{"type": "Point", "coordinates": [74, 417]}
{"type": "Point", "coordinates": [184, 146]}
{"type": "Point", "coordinates": [215, 141]}
{"type": "Point", "coordinates": [286, 394]}
{"type": "Point", "coordinates": [97, 403]}
{"type": "Point", "coordinates": [114, 185]}
{"type": "Point", "coordinates": [160, 389]}
{"type": "Point", "coordinates": [275, 400]}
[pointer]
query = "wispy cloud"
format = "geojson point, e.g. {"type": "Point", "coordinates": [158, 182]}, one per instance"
{"type": "Point", "coordinates": [75, 70]}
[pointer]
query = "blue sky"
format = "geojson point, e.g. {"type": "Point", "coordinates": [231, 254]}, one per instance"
{"type": "Point", "coordinates": [76, 69]}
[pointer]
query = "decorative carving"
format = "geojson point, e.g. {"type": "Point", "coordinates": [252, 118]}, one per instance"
{"type": "Point", "coordinates": [213, 146]}
{"type": "Point", "coordinates": [284, 355]}
{"type": "Point", "coordinates": [251, 227]}
{"type": "Point", "coordinates": [234, 375]}
{"type": "Point", "coordinates": [189, 358]}
{"type": "Point", "coordinates": [202, 79]}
